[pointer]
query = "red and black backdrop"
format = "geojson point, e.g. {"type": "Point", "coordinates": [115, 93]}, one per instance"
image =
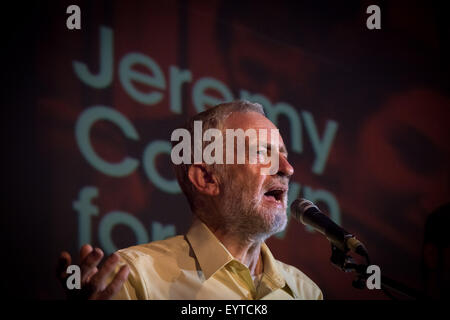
{"type": "Point", "coordinates": [88, 114]}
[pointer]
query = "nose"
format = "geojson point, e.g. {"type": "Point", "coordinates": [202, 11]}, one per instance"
{"type": "Point", "coordinates": [285, 169]}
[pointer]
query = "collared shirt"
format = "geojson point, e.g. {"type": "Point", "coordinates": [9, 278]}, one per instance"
{"type": "Point", "coordinates": [198, 266]}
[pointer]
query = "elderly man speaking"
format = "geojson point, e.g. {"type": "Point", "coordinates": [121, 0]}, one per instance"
{"type": "Point", "coordinates": [223, 255]}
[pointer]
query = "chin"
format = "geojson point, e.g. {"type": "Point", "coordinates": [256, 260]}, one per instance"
{"type": "Point", "coordinates": [275, 221]}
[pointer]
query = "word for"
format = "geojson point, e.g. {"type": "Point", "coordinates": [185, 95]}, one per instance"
{"type": "Point", "coordinates": [86, 211]}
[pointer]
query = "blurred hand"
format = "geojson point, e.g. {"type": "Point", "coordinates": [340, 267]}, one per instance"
{"type": "Point", "coordinates": [93, 279]}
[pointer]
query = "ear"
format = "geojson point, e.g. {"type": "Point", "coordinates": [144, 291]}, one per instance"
{"type": "Point", "coordinates": [204, 181]}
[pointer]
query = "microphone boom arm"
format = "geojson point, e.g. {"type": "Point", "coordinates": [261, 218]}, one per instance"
{"type": "Point", "coordinates": [346, 263]}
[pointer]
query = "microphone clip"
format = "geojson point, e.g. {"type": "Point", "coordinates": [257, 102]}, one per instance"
{"type": "Point", "coordinates": [346, 263]}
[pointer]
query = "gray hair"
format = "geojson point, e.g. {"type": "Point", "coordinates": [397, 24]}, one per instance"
{"type": "Point", "coordinates": [212, 118]}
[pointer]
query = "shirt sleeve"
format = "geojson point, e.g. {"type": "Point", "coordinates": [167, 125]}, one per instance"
{"type": "Point", "coordinates": [127, 292]}
{"type": "Point", "coordinates": [129, 289]}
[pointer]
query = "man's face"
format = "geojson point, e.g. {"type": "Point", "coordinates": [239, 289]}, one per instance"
{"type": "Point", "coordinates": [254, 205]}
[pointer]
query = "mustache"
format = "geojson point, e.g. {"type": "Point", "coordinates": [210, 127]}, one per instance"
{"type": "Point", "coordinates": [278, 183]}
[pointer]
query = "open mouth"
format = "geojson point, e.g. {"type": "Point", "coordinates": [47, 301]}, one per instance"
{"type": "Point", "coordinates": [275, 195]}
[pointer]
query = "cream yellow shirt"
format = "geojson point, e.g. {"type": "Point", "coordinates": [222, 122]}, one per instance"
{"type": "Point", "coordinates": [198, 266]}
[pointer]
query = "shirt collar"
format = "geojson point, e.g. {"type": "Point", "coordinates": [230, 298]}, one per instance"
{"type": "Point", "coordinates": [213, 256]}
{"type": "Point", "coordinates": [270, 267]}
{"type": "Point", "coordinates": [210, 252]}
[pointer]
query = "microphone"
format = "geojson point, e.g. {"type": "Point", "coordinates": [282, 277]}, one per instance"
{"type": "Point", "coordinates": [309, 214]}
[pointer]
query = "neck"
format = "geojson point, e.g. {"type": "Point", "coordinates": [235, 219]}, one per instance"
{"type": "Point", "coordinates": [246, 251]}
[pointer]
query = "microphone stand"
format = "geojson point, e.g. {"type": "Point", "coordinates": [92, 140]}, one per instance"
{"type": "Point", "coordinates": [346, 263]}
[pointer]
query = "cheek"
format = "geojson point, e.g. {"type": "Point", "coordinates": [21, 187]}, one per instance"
{"type": "Point", "coordinates": [255, 181]}
{"type": "Point", "coordinates": [248, 174]}
{"type": "Point", "coordinates": [247, 179]}
{"type": "Point", "coordinates": [252, 189]}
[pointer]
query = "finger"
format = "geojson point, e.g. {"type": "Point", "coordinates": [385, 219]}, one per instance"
{"type": "Point", "coordinates": [98, 280]}
{"type": "Point", "coordinates": [113, 288]}
{"type": "Point", "coordinates": [85, 250]}
{"type": "Point", "coordinates": [91, 274]}
{"type": "Point", "coordinates": [64, 261]}
{"type": "Point", "coordinates": [89, 264]}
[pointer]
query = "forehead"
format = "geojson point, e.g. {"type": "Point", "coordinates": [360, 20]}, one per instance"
{"type": "Point", "coordinates": [248, 120]}
{"type": "Point", "coordinates": [252, 120]}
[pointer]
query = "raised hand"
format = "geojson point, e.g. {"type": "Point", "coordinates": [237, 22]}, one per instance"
{"type": "Point", "coordinates": [93, 279]}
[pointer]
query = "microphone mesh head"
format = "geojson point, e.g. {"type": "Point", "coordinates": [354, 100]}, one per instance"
{"type": "Point", "coordinates": [299, 206]}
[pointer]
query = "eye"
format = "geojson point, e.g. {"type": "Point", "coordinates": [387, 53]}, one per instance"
{"type": "Point", "coordinates": [265, 150]}
{"type": "Point", "coordinates": [263, 157]}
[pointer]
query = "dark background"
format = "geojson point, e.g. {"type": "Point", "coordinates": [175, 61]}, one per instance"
{"type": "Point", "coordinates": [388, 166]}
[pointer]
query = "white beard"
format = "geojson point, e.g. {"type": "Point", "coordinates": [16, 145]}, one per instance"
{"type": "Point", "coordinates": [244, 215]}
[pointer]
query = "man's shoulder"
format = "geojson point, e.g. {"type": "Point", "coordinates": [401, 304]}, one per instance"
{"type": "Point", "coordinates": [156, 250]}
{"type": "Point", "coordinates": [153, 265]}
{"type": "Point", "coordinates": [298, 281]}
